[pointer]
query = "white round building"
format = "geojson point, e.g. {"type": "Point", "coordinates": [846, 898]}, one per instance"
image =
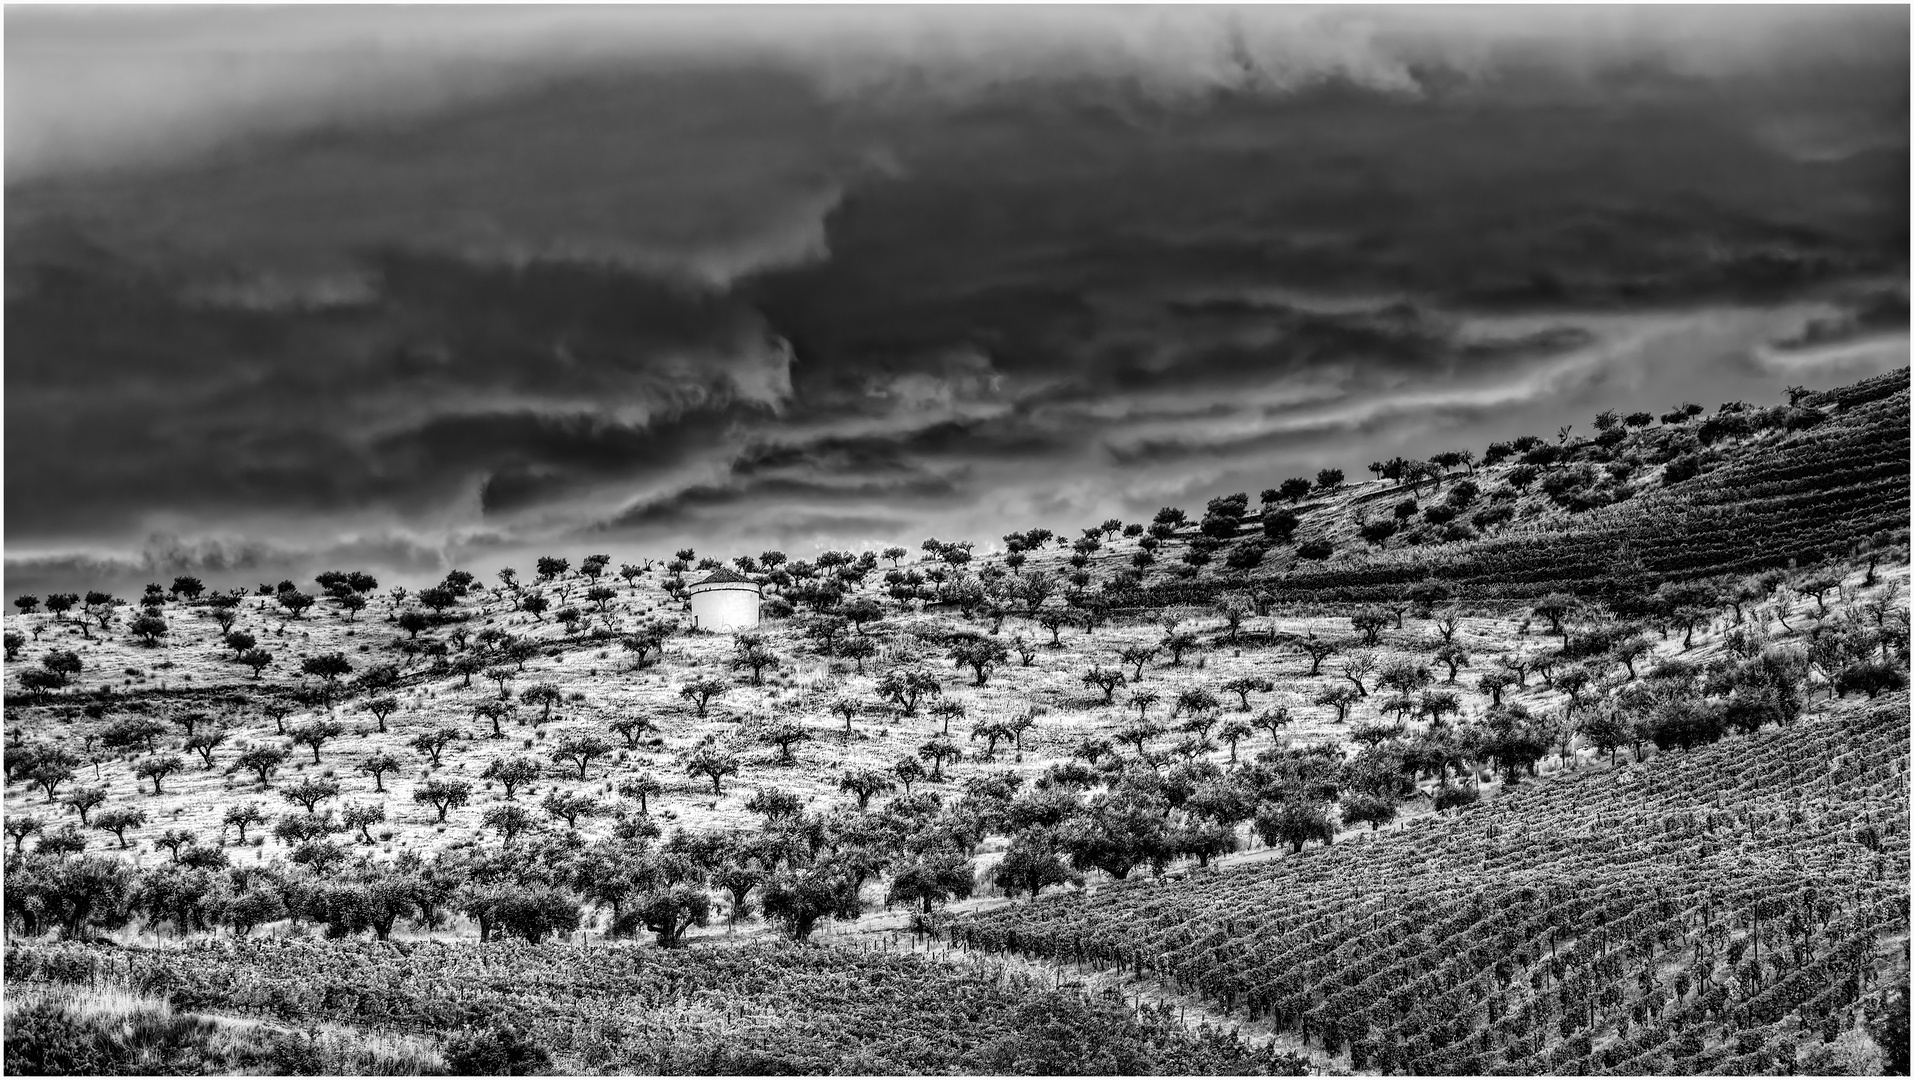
{"type": "Point", "coordinates": [724, 601]}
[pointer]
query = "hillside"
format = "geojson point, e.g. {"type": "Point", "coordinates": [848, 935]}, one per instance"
{"type": "Point", "coordinates": [1719, 910]}
{"type": "Point", "coordinates": [1778, 487]}
{"type": "Point", "coordinates": [763, 1009]}
{"type": "Point", "coordinates": [560, 759]}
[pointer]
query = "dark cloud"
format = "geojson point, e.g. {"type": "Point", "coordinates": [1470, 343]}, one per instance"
{"type": "Point", "coordinates": [449, 381]}
{"type": "Point", "coordinates": [833, 280]}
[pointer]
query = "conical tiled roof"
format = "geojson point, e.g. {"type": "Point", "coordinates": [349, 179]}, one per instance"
{"type": "Point", "coordinates": [724, 575]}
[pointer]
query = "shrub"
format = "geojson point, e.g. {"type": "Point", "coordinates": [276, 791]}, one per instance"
{"type": "Point", "coordinates": [495, 1051]}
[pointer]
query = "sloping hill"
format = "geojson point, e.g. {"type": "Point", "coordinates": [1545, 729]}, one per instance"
{"type": "Point", "coordinates": [1719, 910]}
{"type": "Point", "coordinates": [1772, 494]}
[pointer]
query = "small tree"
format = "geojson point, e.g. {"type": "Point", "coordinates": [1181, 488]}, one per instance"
{"type": "Point", "coordinates": [1244, 686]}
{"type": "Point", "coordinates": [157, 769]}
{"type": "Point", "coordinates": [939, 752]}
{"type": "Point", "coordinates": [1370, 622]}
{"type": "Point", "coordinates": [1137, 656]}
{"type": "Point", "coordinates": [1105, 680]}
{"type": "Point", "coordinates": [580, 750]}
{"type": "Point", "coordinates": [931, 879]}
{"type": "Point", "coordinates": [979, 654]}
{"type": "Point", "coordinates": [62, 664]}
{"type": "Point", "coordinates": [1452, 656]}
{"type": "Point", "coordinates": [992, 732]}
{"type": "Point", "coordinates": [1367, 808]}
{"type": "Point", "coordinates": [865, 784]}
{"type": "Point", "coordinates": [316, 735]}
{"type": "Point", "coordinates": [569, 806]}
{"type": "Point", "coordinates": [495, 713]}
{"type": "Point", "coordinates": [117, 820]}
{"type": "Point", "coordinates": [101, 608]}
{"type": "Point", "coordinates": [1318, 650]}
{"type": "Point", "coordinates": [641, 787]}
{"type": "Point", "coordinates": [20, 826]}
{"type": "Point", "coordinates": [257, 659]}
{"type": "Point", "coordinates": [310, 792]}
{"type": "Point", "coordinates": [1196, 701]}
{"type": "Point", "coordinates": [444, 795]}
{"type": "Point", "coordinates": [295, 603]}
{"type": "Point", "coordinates": [708, 759]}
{"type": "Point", "coordinates": [148, 628]}
{"type": "Point", "coordinates": [1556, 608]}
{"type": "Point", "coordinates": [512, 773]}
{"type": "Point", "coordinates": [1271, 720]}
{"type": "Point", "coordinates": [1138, 735]}
{"type": "Point", "coordinates": [1021, 724]}
{"type": "Point", "coordinates": [509, 821]}
{"type": "Point", "coordinates": [83, 800]}
{"type": "Point", "coordinates": [242, 816]}
{"type": "Point", "coordinates": [1631, 650]}
{"type": "Point", "coordinates": [542, 696]}
{"type": "Point", "coordinates": [382, 707]}
{"type": "Point", "coordinates": [376, 766]}
{"type": "Point", "coordinates": [1177, 643]}
{"type": "Point", "coordinates": [754, 654]}
{"type": "Point", "coordinates": [239, 641]}
{"type": "Point", "coordinates": [362, 816]}
{"type": "Point", "coordinates": [784, 736]}
{"type": "Point", "coordinates": [846, 707]}
{"type": "Point", "coordinates": [204, 743]}
{"type": "Point", "coordinates": [262, 761]}
{"type": "Point", "coordinates": [906, 688]}
{"type": "Point", "coordinates": [908, 771]}
{"type": "Point", "coordinates": [700, 691]}
{"type": "Point", "coordinates": [329, 667]}
{"type": "Point", "coordinates": [501, 675]}
{"type": "Point", "coordinates": [633, 729]}
{"type": "Point", "coordinates": [1233, 732]}
{"type": "Point", "coordinates": [1293, 822]}
{"type": "Point", "coordinates": [432, 744]}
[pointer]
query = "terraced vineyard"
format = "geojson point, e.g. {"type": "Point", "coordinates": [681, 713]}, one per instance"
{"type": "Point", "coordinates": [1800, 497]}
{"type": "Point", "coordinates": [1714, 911]}
{"type": "Point", "coordinates": [755, 1009]}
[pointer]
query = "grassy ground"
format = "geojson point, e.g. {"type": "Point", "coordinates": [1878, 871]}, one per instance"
{"type": "Point", "coordinates": [53, 1029]}
{"type": "Point", "coordinates": [191, 670]}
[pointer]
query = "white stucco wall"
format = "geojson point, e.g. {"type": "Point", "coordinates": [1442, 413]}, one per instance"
{"type": "Point", "coordinates": [724, 607]}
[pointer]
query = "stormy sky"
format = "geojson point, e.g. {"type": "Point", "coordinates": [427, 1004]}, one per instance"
{"type": "Point", "coordinates": [413, 288]}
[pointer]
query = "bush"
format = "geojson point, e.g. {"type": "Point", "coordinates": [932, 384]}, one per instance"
{"type": "Point", "coordinates": [1377, 531]}
{"type": "Point", "coordinates": [1247, 555]}
{"type": "Point", "coordinates": [1314, 549]}
{"type": "Point", "coordinates": [495, 1051]}
{"type": "Point", "coordinates": [1279, 524]}
{"type": "Point", "coordinates": [51, 1038]}
{"type": "Point", "coordinates": [1685, 467]}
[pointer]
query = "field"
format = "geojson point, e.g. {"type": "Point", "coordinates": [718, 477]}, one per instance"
{"type": "Point", "coordinates": [1612, 922]}
{"type": "Point", "coordinates": [759, 1009]}
{"type": "Point", "coordinates": [1513, 784]}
